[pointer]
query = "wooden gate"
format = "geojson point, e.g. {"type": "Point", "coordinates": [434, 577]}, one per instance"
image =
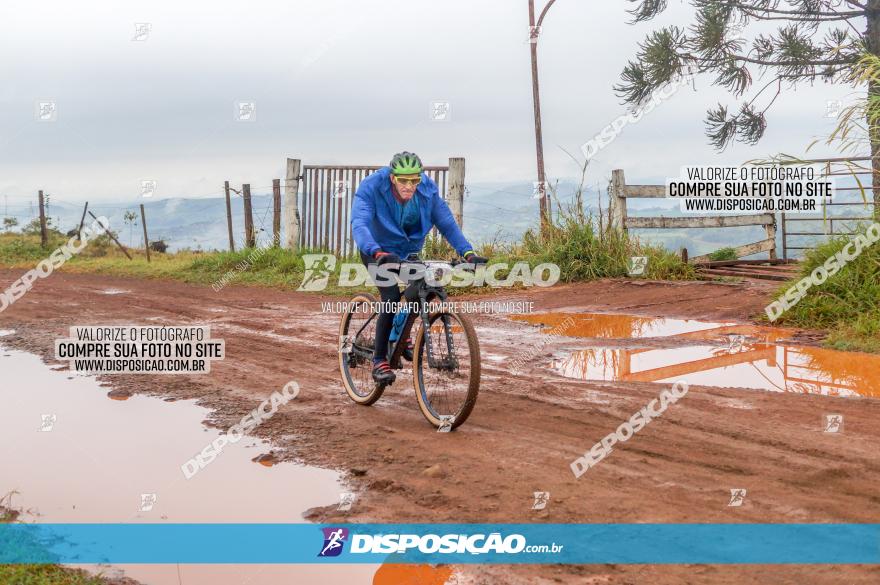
{"type": "Point", "coordinates": [799, 226]}
{"type": "Point", "coordinates": [327, 195]}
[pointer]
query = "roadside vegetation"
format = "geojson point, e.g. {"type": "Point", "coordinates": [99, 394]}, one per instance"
{"type": "Point", "coordinates": [723, 254]}
{"type": "Point", "coordinates": [847, 304]}
{"type": "Point", "coordinates": [581, 245]}
{"type": "Point", "coordinates": [38, 574]}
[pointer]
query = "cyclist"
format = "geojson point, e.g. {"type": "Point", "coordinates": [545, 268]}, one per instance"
{"type": "Point", "coordinates": [394, 209]}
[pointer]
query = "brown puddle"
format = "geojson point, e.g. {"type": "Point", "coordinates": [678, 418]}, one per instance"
{"type": "Point", "coordinates": [82, 456]}
{"type": "Point", "coordinates": [750, 357]}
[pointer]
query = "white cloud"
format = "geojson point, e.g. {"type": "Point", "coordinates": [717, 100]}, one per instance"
{"type": "Point", "coordinates": [335, 81]}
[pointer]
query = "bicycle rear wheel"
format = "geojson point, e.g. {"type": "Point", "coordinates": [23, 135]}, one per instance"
{"type": "Point", "coordinates": [447, 389]}
{"type": "Point", "coordinates": [357, 334]}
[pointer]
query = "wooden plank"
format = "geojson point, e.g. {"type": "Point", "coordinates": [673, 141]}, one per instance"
{"type": "Point", "coordinates": [699, 222]}
{"type": "Point", "coordinates": [760, 270]}
{"type": "Point", "coordinates": [715, 263]}
{"type": "Point", "coordinates": [740, 251]}
{"type": "Point", "coordinates": [112, 237]}
{"type": "Point", "coordinates": [644, 191]}
{"type": "Point", "coordinates": [737, 274]}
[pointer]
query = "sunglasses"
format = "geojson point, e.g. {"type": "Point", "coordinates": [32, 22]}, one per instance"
{"type": "Point", "coordinates": [408, 182]}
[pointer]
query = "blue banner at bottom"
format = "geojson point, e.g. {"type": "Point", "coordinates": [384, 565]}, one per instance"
{"type": "Point", "coordinates": [441, 543]}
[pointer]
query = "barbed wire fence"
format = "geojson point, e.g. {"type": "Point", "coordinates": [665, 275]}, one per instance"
{"type": "Point", "coordinates": [211, 223]}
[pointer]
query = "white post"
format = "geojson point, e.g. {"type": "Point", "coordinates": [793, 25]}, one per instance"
{"type": "Point", "coordinates": [291, 205]}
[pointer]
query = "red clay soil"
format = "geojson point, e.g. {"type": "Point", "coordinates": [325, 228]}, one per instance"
{"type": "Point", "coordinates": [525, 430]}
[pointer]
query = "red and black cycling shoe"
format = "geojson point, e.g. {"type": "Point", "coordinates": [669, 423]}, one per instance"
{"type": "Point", "coordinates": [383, 374]}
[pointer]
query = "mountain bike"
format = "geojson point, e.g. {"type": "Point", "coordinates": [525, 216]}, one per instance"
{"type": "Point", "coordinates": [446, 352]}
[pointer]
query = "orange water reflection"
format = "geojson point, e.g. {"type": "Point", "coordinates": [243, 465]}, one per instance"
{"type": "Point", "coordinates": [752, 357]}
{"type": "Point", "coordinates": [412, 575]}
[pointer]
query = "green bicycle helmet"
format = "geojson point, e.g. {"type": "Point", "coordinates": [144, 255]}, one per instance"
{"type": "Point", "coordinates": [406, 163]}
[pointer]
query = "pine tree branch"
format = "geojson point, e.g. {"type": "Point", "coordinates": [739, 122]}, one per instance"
{"type": "Point", "coordinates": [796, 13]}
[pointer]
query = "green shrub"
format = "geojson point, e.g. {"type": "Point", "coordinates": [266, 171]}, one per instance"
{"type": "Point", "coordinates": [847, 304]}
{"type": "Point", "coordinates": [723, 254]}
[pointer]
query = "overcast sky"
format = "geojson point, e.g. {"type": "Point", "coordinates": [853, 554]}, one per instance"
{"type": "Point", "coordinates": [337, 82]}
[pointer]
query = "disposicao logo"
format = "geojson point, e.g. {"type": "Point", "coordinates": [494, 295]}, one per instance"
{"type": "Point", "coordinates": [334, 540]}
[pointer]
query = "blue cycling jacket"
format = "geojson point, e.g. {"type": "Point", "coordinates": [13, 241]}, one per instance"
{"type": "Point", "coordinates": [373, 218]}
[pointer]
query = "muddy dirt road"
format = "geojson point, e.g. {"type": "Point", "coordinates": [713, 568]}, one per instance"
{"type": "Point", "coordinates": [525, 430]}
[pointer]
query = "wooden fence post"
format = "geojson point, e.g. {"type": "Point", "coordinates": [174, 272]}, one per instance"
{"type": "Point", "coordinates": [44, 237]}
{"type": "Point", "coordinates": [229, 216]}
{"type": "Point", "coordinates": [291, 203]}
{"type": "Point", "coordinates": [82, 221]}
{"type": "Point", "coordinates": [771, 235]}
{"type": "Point", "coordinates": [146, 239]}
{"type": "Point", "coordinates": [249, 237]}
{"type": "Point", "coordinates": [276, 213]}
{"type": "Point", "coordinates": [617, 200]}
{"type": "Point", "coordinates": [455, 191]}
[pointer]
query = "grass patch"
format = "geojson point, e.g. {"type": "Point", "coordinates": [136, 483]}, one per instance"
{"type": "Point", "coordinates": [723, 254]}
{"type": "Point", "coordinates": [846, 304]}
{"type": "Point", "coordinates": [21, 574]}
{"type": "Point", "coordinates": [47, 575]}
{"type": "Point", "coordinates": [577, 243]}
{"type": "Point", "coordinates": [270, 267]}
{"type": "Point", "coordinates": [586, 248]}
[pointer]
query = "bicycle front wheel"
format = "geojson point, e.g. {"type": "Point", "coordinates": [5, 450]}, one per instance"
{"type": "Point", "coordinates": [447, 384]}
{"type": "Point", "coordinates": [357, 330]}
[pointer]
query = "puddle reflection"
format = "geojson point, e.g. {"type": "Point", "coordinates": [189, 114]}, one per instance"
{"type": "Point", "coordinates": [81, 457]}
{"type": "Point", "coordinates": [751, 357]}
{"type": "Point", "coordinates": [613, 326]}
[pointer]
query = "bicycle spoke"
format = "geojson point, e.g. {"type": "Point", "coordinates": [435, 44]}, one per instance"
{"type": "Point", "coordinates": [446, 384]}
{"type": "Point", "coordinates": [357, 344]}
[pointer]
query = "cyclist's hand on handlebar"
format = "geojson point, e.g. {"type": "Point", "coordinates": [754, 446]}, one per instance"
{"type": "Point", "coordinates": [472, 258]}
{"type": "Point", "coordinates": [386, 258]}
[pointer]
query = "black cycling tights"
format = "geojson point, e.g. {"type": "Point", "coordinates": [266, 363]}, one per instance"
{"type": "Point", "coordinates": [389, 294]}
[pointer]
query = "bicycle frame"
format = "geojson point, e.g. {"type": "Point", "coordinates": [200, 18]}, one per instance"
{"type": "Point", "coordinates": [426, 293]}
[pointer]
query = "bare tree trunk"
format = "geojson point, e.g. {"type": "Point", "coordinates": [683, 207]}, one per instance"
{"type": "Point", "coordinates": [872, 38]}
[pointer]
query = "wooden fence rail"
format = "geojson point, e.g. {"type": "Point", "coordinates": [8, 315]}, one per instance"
{"type": "Point", "coordinates": [620, 192]}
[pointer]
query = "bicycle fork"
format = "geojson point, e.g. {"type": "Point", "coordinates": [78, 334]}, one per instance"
{"type": "Point", "coordinates": [449, 363]}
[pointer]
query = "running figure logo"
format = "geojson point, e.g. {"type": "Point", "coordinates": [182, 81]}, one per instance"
{"type": "Point", "coordinates": [541, 500]}
{"type": "Point", "coordinates": [737, 497]}
{"type": "Point", "coordinates": [637, 265]}
{"type": "Point", "coordinates": [334, 540]}
{"type": "Point", "coordinates": [833, 423]}
{"type": "Point", "coordinates": [318, 270]}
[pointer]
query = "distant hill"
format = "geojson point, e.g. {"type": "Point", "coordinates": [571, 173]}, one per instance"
{"type": "Point", "coordinates": [492, 212]}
